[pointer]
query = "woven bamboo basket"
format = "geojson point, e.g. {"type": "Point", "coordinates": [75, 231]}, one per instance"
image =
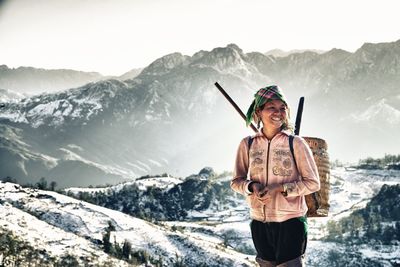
{"type": "Point", "coordinates": [318, 202]}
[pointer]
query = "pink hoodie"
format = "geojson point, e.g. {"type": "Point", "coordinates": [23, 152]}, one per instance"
{"type": "Point", "coordinates": [271, 162]}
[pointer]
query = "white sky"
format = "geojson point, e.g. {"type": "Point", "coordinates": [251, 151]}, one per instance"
{"type": "Point", "coordinates": [115, 36]}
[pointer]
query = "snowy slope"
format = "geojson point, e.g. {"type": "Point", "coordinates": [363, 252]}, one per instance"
{"type": "Point", "coordinates": [213, 236]}
{"type": "Point", "coordinates": [163, 182]}
{"type": "Point", "coordinates": [43, 236]}
{"type": "Point", "coordinates": [351, 190]}
{"type": "Point", "coordinates": [81, 225]}
{"type": "Point", "coordinates": [229, 221]}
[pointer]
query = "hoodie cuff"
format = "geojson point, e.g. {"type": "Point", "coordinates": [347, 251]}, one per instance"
{"type": "Point", "coordinates": [289, 189]}
{"type": "Point", "coordinates": [247, 187]}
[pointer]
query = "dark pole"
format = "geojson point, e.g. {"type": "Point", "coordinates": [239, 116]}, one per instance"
{"type": "Point", "coordinates": [234, 105]}
{"type": "Point", "coordinates": [298, 116]}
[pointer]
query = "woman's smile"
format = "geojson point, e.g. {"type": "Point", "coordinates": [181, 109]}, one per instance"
{"type": "Point", "coordinates": [276, 119]}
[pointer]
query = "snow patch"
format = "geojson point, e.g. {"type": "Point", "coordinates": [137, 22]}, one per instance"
{"type": "Point", "coordinates": [14, 116]}
{"type": "Point", "coordinates": [379, 112]}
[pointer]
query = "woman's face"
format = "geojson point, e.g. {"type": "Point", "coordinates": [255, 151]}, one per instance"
{"type": "Point", "coordinates": [273, 114]}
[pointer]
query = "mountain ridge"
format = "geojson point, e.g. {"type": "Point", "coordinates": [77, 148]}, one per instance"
{"type": "Point", "coordinates": [31, 80]}
{"type": "Point", "coordinates": [170, 117]}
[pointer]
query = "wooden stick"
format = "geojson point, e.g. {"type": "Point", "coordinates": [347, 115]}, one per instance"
{"type": "Point", "coordinates": [234, 105]}
{"type": "Point", "coordinates": [298, 116]}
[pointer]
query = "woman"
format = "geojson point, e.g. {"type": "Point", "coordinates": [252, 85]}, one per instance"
{"type": "Point", "coordinates": [275, 187]}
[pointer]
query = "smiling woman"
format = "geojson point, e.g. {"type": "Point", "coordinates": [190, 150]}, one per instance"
{"type": "Point", "coordinates": [274, 183]}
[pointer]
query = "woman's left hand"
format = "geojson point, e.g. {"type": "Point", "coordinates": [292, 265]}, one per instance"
{"type": "Point", "coordinates": [270, 191]}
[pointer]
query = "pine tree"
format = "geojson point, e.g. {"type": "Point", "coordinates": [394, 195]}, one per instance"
{"type": "Point", "coordinates": [107, 245]}
{"type": "Point", "coordinates": [126, 250]}
{"type": "Point", "coordinates": [42, 184]}
{"type": "Point", "coordinates": [106, 242]}
{"type": "Point", "coordinates": [68, 261]}
{"type": "Point", "coordinates": [53, 185]}
{"type": "Point", "coordinates": [334, 231]}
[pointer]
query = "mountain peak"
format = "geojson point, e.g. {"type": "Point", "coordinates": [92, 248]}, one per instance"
{"type": "Point", "coordinates": [337, 51]}
{"type": "Point", "coordinates": [335, 55]}
{"type": "Point", "coordinates": [227, 58]}
{"type": "Point", "coordinates": [166, 63]}
{"type": "Point", "coordinates": [229, 50]}
{"type": "Point", "coordinates": [367, 46]}
{"type": "Point", "coordinates": [235, 47]}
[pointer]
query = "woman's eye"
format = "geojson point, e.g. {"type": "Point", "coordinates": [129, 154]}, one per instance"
{"type": "Point", "coordinates": [283, 109]}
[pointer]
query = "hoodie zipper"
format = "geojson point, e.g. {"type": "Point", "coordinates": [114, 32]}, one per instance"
{"type": "Point", "coordinates": [269, 145]}
{"type": "Point", "coordinates": [267, 171]}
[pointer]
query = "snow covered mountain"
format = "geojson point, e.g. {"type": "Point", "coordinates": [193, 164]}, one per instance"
{"type": "Point", "coordinates": [351, 190]}
{"type": "Point", "coordinates": [58, 224]}
{"type": "Point", "coordinates": [216, 234]}
{"type": "Point", "coordinates": [170, 118]}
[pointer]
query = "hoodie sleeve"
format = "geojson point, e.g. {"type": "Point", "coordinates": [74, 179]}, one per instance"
{"type": "Point", "coordinates": [239, 182]}
{"type": "Point", "coordinates": [309, 178]}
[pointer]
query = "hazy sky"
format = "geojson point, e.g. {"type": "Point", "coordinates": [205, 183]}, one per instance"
{"type": "Point", "coordinates": [114, 36]}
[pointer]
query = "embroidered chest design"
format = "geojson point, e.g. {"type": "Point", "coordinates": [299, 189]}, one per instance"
{"type": "Point", "coordinates": [282, 162]}
{"type": "Point", "coordinates": [257, 162]}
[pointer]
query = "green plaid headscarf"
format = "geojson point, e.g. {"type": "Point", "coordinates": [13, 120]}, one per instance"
{"type": "Point", "coordinates": [263, 96]}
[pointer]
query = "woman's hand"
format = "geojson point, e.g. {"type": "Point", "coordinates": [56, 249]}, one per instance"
{"type": "Point", "coordinates": [267, 192]}
{"type": "Point", "coordinates": [275, 188]}
{"type": "Point", "coordinates": [259, 190]}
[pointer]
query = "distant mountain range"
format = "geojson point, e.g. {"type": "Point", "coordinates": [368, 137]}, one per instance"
{"type": "Point", "coordinates": [281, 53]}
{"type": "Point", "coordinates": [171, 118]}
{"type": "Point", "coordinates": [31, 80]}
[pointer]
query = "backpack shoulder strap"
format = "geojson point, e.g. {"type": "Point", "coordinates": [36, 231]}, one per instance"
{"type": "Point", "coordinates": [249, 142]}
{"type": "Point", "coordinates": [291, 138]}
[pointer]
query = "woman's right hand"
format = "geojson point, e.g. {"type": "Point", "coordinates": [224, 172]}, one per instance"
{"type": "Point", "coordinates": [258, 189]}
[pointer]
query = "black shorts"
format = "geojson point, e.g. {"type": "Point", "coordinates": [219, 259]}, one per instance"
{"type": "Point", "coordinates": [279, 241]}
